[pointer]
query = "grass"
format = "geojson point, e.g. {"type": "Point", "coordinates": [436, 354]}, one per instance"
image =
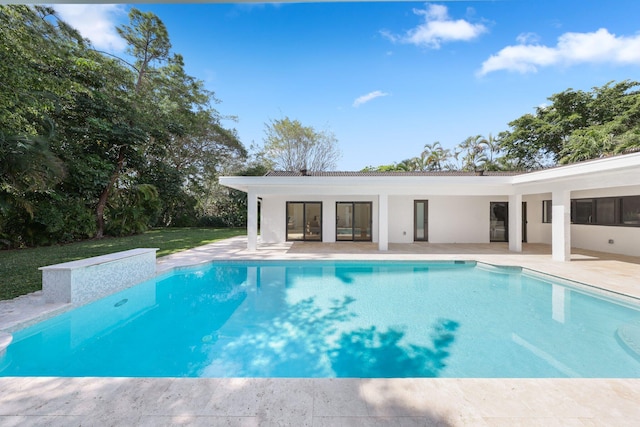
{"type": "Point", "coordinates": [19, 272]}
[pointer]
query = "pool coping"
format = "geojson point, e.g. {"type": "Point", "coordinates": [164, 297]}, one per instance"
{"type": "Point", "coordinates": [320, 402]}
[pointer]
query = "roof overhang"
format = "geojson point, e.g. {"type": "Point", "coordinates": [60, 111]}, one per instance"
{"type": "Point", "coordinates": [608, 172]}
{"type": "Point", "coordinates": [601, 173]}
{"type": "Point", "coordinates": [370, 185]}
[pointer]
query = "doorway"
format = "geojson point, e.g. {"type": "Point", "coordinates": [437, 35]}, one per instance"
{"type": "Point", "coordinates": [353, 221]}
{"type": "Point", "coordinates": [499, 222]}
{"type": "Point", "coordinates": [420, 220]}
{"type": "Point", "coordinates": [304, 221]}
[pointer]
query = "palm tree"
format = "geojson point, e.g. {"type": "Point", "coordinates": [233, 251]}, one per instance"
{"type": "Point", "coordinates": [493, 145]}
{"type": "Point", "coordinates": [26, 166]}
{"type": "Point", "coordinates": [435, 156]}
{"type": "Point", "coordinates": [407, 165]}
{"type": "Point", "coordinates": [474, 153]}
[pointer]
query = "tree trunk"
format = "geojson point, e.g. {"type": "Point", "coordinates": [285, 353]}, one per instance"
{"type": "Point", "coordinates": [104, 196]}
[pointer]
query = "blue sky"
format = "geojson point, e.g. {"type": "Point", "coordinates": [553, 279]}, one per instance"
{"type": "Point", "coordinates": [389, 77]}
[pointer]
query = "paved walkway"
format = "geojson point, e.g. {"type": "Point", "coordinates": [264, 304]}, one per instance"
{"type": "Point", "coordinates": [336, 402]}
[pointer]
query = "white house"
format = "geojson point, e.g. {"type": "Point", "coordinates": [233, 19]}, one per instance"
{"type": "Point", "coordinates": [591, 205]}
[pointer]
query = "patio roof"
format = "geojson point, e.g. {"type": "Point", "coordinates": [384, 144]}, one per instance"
{"type": "Point", "coordinates": [623, 170]}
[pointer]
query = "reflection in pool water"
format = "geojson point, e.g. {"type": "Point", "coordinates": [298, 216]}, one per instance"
{"type": "Point", "coordinates": [336, 319]}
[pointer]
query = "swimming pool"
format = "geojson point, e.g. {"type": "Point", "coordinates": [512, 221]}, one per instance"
{"type": "Point", "coordinates": [338, 319]}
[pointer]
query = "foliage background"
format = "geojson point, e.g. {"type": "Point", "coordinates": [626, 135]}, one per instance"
{"type": "Point", "coordinates": [91, 144]}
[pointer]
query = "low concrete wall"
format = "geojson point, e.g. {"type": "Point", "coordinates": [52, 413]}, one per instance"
{"type": "Point", "coordinates": [85, 280]}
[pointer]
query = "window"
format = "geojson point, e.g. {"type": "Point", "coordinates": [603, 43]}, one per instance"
{"type": "Point", "coordinates": [606, 211]}
{"type": "Point", "coordinates": [304, 221]}
{"type": "Point", "coordinates": [582, 211]}
{"type": "Point", "coordinates": [547, 209]}
{"type": "Point", "coordinates": [630, 208]}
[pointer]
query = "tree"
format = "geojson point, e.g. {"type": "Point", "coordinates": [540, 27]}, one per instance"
{"type": "Point", "coordinates": [90, 144]}
{"type": "Point", "coordinates": [577, 125]}
{"type": "Point", "coordinates": [436, 156]}
{"type": "Point", "coordinates": [38, 60]}
{"type": "Point", "coordinates": [291, 146]}
{"type": "Point", "coordinates": [148, 42]}
{"type": "Point", "coordinates": [472, 153]}
{"type": "Point", "coordinates": [27, 165]}
{"type": "Point", "coordinates": [493, 161]}
{"type": "Point", "coordinates": [189, 145]}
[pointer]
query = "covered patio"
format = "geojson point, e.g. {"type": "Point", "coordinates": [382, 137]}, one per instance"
{"type": "Point", "coordinates": [457, 205]}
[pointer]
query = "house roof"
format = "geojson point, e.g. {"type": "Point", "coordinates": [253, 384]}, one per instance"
{"type": "Point", "coordinates": [390, 173]}
{"type": "Point", "coordinates": [608, 172]}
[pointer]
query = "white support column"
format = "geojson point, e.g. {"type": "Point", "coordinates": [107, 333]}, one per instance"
{"type": "Point", "coordinates": [561, 225]}
{"type": "Point", "coordinates": [383, 222]}
{"type": "Point", "coordinates": [252, 220]}
{"type": "Point", "coordinates": [515, 223]}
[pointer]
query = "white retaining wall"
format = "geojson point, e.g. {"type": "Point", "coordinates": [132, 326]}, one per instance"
{"type": "Point", "coordinates": [88, 279]}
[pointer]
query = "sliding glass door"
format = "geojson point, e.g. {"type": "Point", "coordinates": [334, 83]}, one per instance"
{"type": "Point", "coordinates": [353, 221]}
{"type": "Point", "coordinates": [304, 221]}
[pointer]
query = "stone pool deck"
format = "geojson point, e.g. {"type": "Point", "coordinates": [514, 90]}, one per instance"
{"type": "Point", "coordinates": [335, 402]}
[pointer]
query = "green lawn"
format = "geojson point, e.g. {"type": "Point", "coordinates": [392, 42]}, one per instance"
{"type": "Point", "coordinates": [19, 272]}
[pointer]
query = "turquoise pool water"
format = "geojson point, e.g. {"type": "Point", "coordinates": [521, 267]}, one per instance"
{"type": "Point", "coordinates": [337, 319]}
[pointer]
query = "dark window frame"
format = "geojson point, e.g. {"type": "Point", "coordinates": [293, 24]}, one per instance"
{"type": "Point", "coordinates": [619, 214]}
{"type": "Point", "coordinates": [630, 218]}
{"type": "Point", "coordinates": [426, 220]}
{"type": "Point", "coordinates": [547, 211]}
{"type": "Point", "coordinates": [353, 209]}
{"type": "Point", "coordinates": [304, 221]}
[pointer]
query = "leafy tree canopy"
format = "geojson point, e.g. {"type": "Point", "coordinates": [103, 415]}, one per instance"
{"type": "Point", "coordinates": [576, 125]}
{"type": "Point", "coordinates": [290, 146]}
{"type": "Point", "coordinates": [90, 144]}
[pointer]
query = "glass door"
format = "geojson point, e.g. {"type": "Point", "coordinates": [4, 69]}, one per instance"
{"type": "Point", "coordinates": [499, 223]}
{"type": "Point", "coordinates": [344, 221]}
{"type": "Point", "coordinates": [304, 221]}
{"type": "Point", "coordinates": [421, 220]}
{"type": "Point", "coordinates": [313, 221]}
{"type": "Point", "coordinates": [362, 221]}
{"type": "Point", "coordinates": [524, 222]}
{"type": "Point", "coordinates": [353, 221]}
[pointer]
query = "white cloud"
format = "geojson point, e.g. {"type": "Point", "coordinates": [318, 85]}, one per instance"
{"type": "Point", "coordinates": [437, 28]}
{"type": "Point", "coordinates": [96, 22]}
{"type": "Point", "coordinates": [368, 97]}
{"type": "Point", "coordinates": [573, 48]}
{"type": "Point", "coordinates": [528, 38]}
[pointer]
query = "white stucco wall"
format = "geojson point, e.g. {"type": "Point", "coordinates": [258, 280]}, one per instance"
{"type": "Point", "coordinates": [451, 219]}
{"type": "Point", "coordinates": [401, 218]}
{"type": "Point", "coordinates": [456, 219]}
{"type": "Point", "coordinates": [460, 219]}
{"type": "Point", "coordinates": [537, 232]}
{"type": "Point", "coordinates": [626, 240]}
{"type": "Point", "coordinates": [273, 219]}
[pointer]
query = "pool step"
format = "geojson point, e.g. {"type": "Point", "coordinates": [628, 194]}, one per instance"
{"type": "Point", "coordinates": [628, 336]}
